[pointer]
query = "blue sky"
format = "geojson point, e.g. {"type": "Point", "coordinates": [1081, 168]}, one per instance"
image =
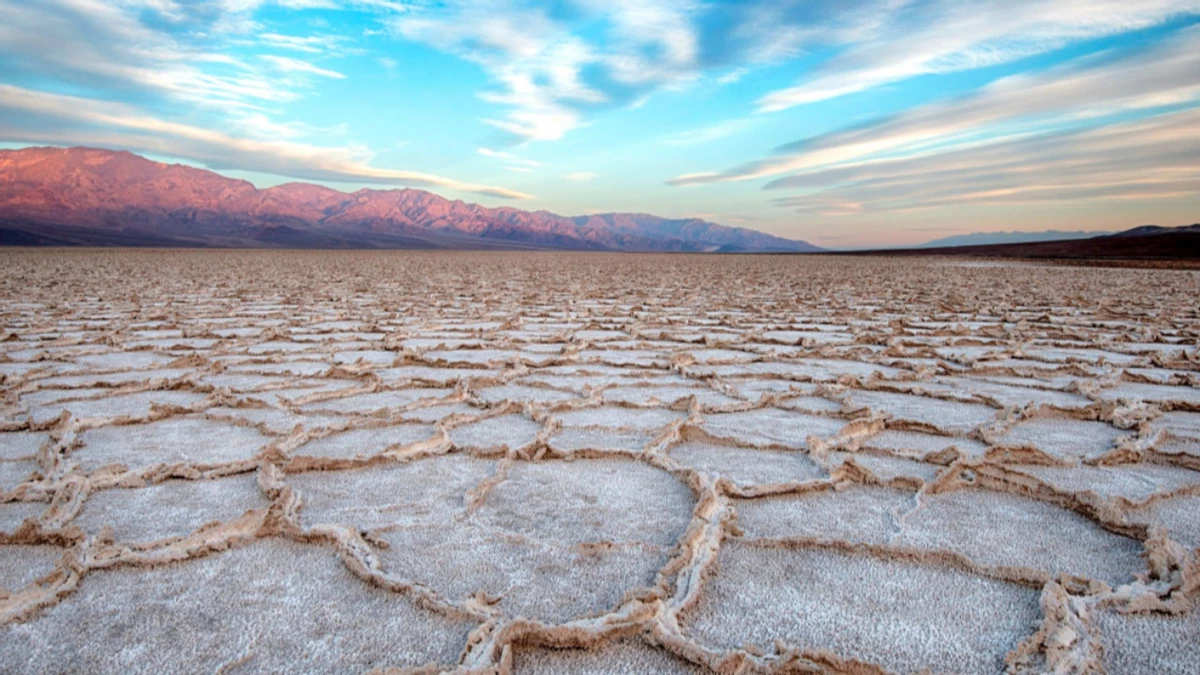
{"type": "Point", "coordinates": [855, 123]}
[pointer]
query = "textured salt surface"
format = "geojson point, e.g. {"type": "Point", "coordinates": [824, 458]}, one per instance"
{"type": "Point", "coordinates": [555, 540]}
{"type": "Point", "coordinates": [748, 466]}
{"type": "Point", "coordinates": [587, 438]}
{"type": "Point", "coordinates": [948, 416]}
{"type": "Point", "coordinates": [619, 418]}
{"type": "Point", "coordinates": [172, 509]}
{"type": "Point", "coordinates": [366, 442]}
{"type": "Point", "coordinates": [505, 431]}
{"type": "Point", "coordinates": [20, 445]}
{"type": "Point", "coordinates": [128, 405]}
{"type": "Point", "coordinates": [267, 607]}
{"type": "Point", "coordinates": [1134, 482]}
{"type": "Point", "coordinates": [919, 444]}
{"type": "Point", "coordinates": [1179, 515]}
{"type": "Point", "coordinates": [1064, 438]}
{"type": "Point", "coordinates": [888, 468]}
{"type": "Point", "coordinates": [906, 618]}
{"type": "Point", "coordinates": [602, 464]}
{"type": "Point", "coordinates": [13, 472]}
{"type": "Point", "coordinates": [176, 440]}
{"type": "Point", "coordinates": [856, 514]}
{"type": "Point", "coordinates": [373, 497]}
{"type": "Point", "coordinates": [12, 514]}
{"type": "Point", "coordinates": [1147, 644]}
{"type": "Point", "coordinates": [23, 565]}
{"type": "Point", "coordinates": [998, 529]}
{"type": "Point", "coordinates": [771, 426]}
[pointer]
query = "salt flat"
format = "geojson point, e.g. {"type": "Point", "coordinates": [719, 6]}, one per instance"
{"type": "Point", "coordinates": [547, 463]}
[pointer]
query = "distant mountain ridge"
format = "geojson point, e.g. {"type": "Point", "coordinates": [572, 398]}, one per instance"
{"type": "Point", "coordinates": [1161, 245]}
{"type": "Point", "coordinates": [1153, 230]}
{"type": "Point", "coordinates": [96, 197]}
{"type": "Point", "coordinates": [985, 238]}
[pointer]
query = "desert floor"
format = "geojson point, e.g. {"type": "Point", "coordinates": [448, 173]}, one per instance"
{"type": "Point", "coordinates": [579, 463]}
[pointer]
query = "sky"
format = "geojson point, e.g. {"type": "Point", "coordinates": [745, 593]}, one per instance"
{"type": "Point", "coordinates": [854, 123]}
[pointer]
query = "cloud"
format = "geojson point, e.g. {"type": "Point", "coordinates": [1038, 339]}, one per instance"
{"type": "Point", "coordinates": [287, 64]}
{"type": "Point", "coordinates": [1152, 158]}
{"type": "Point", "coordinates": [104, 46]}
{"type": "Point", "coordinates": [308, 4]}
{"type": "Point", "coordinates": [553, 63]}
{"type": "Point", "coordinates": [34, 116]}
{"type": "Point", "coordinates": [309, 44]}
{"type": "Point", "coordinates": [939, 37]}
{"type": "Point", "coordinates": [1067, 96]}
{"type": "Point", "coordinates": [211, 64]}
{"type": "Point", "coordinates": [507, 156]}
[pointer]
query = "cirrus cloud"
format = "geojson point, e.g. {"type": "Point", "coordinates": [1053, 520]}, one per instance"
{"type": "Point", "coordinates": [34, 116]}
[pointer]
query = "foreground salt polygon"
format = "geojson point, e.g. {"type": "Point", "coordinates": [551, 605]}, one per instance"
{"type": "Point", "coordinates": [535, 463]}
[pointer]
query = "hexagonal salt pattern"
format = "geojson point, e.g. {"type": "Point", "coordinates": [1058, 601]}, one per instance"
{"type": "Point", "coordinates": [544, 463]}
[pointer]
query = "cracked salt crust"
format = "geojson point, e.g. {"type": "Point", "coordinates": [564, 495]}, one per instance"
{"type": "Point", "coordinates": [906, 618]}
{"type": "Point", "coordinates": [137, 405]}
{"type": "Point", "coordinates": [505, 431]}
{"type": "Point", "coordinates": [366, 442]}
{"type": "Point", "coordinates": [748, 466]}
{"type": "Point", "coordinates": [570, 439]}
{"type": "Point", "coordinates": [373, 461]}
{"type": "Point", "coordinates": [1133, 482]}
{"type": "Point", "coordinates": [190, 440]}
{"type": "Point", "coordinates": [948, 416]}
{"type": "Point", "coordinates": [1179, 515]}
{"type": "Point", "coordinates": [771, 427]}
{"type": "Point", "coordinates": [646, 419]}
{"type": "Point", "coordinates": [174, 508]}
{"type": "Point", "coordinates": [21, 565]}
{"type": "Point", "coordinates": [1064, 438]}
{"type": "Point", "coordinates": [666, 395]}
{"type": "Point", "coordinates": [998, 529]}
{"type": "Point", "coordinates": [267, 607]}
{"type": "Point", "coordinates": [858, 513]}
{"type": "Point", "coordinates": [1149, 644]}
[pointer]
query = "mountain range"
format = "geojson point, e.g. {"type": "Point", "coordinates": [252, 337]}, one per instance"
{"type": "Point", "coordinates": [95, 197]}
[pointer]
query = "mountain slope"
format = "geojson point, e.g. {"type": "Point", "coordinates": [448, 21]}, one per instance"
{"type": "Point", "coordinates": [86, 196]}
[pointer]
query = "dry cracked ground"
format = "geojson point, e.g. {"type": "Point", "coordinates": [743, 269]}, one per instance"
{"type": "Point", "coordinates": [558, 463]}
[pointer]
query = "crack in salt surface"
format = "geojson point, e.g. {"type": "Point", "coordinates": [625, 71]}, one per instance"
{"type": "Point", "coordinates": [509, 454]}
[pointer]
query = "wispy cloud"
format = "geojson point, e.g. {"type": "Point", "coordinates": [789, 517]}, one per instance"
{"type": "Point", "coordinates": [288, 64]}
{"type": "Point", "coordinates": [507, 156]}
{"type": "Point", "coordinates": [35, 116]}
{"type": "Point", "coordinates": [105, 47]}
{"type": "Point", "coordinates": [553, 63]}
{"type": "Point", "coordinates": [1072, 95]}
{"type": "Point", "coordinates": [920, 38]}
{"type": "Point", "coordinates": [1152, 158]}
{"type": "Point", "coordinates": [210, 64]}
{"type": "Point", "coordinates": [309, 44]}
